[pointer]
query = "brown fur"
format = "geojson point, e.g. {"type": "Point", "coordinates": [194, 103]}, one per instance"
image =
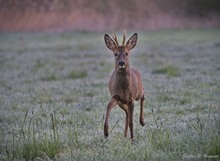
{"type": "Point", "coordinates": [125, 83]}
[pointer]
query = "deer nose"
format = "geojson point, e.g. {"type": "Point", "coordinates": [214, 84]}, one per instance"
{"type": "Point", "coordinates": [121, 64]}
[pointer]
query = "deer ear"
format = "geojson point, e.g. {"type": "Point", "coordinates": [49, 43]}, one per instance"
{"type": "Point", "coordinates": [131, 43]}
{"type": "Point", "coordinates": [109, 42]}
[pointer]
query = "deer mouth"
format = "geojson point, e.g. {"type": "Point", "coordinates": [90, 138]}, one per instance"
{"type": "Point", "coordinates": [121, 66]}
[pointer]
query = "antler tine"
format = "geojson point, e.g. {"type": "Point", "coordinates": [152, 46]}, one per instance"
{"type": "Point", "coordinates": [124, 37]}
{"type": "Point", "coordinates": [115, 37]}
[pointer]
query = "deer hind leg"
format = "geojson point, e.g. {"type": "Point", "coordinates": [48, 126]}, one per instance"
{"type": "Point", "coordinates": [111, 104]}
{"type": "Point", "coordinates": [142, 111]}
{"type": "Point", "coordinates": [125, 108]}
{"type": "Point", "coordinates": [130, 117]}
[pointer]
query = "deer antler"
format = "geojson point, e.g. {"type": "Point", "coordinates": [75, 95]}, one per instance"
{"type": "Point", "coordinates": [115, 38]}
{"type": "Point", "coordinates": [124, 37]}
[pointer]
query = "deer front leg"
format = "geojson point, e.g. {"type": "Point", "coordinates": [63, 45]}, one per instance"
{"type": "Point", "coordinates": [126, 125]}
{"type": "Point", "coordinates": [142, 111]}
{"type": "Point", "coordinates": [130, 117]}
{"type": "Point", "coordinates": [125, 108]}
{"type": "Point", "coordinates": [111, 104]}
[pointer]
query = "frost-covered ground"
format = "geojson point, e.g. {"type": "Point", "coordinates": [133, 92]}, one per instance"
{"type": "Point", "coordinates": [53, 97]}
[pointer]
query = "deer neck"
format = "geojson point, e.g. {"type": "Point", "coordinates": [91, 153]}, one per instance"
{"type": "Point", "coordinates": [123, 78]}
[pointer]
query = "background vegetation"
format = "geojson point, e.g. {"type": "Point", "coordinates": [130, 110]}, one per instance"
{"type": "Point", "coordinates": [99, 15]}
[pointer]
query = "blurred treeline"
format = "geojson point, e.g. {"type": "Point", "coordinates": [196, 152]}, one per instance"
{"type": "Point", "coordinates": [103, 14]}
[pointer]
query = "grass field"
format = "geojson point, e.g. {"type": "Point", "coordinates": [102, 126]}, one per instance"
{"type": "Point", "coordinates": [54, 94]}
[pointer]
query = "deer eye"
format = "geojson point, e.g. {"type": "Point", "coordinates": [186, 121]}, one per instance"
{"type": "Point", "coordinates": [126, 54]}
{"type": "Point", "coordinates": [116, 54]}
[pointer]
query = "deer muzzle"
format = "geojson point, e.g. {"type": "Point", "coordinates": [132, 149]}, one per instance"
{"type": "Point", "coordinates": [121, 64]}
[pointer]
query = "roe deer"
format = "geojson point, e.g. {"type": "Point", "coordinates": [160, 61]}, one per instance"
{"type": "Point", "coordinates": [125, 84]}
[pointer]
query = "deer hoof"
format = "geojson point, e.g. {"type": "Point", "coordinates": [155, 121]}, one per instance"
{"type": "Point", "coordinates": [106, 135]}
{"type": "Point", "coordinates": [142, 122]}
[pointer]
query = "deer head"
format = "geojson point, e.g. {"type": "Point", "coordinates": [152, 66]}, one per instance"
{"type": "Point", "coordinates": [121, 52]}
